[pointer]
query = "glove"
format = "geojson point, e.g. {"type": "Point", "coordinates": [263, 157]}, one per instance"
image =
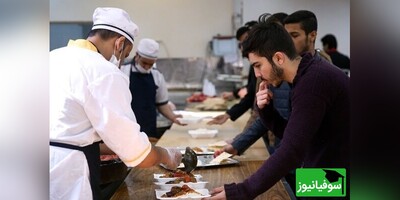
{"type": "Point", "coordinates": [173, 160]}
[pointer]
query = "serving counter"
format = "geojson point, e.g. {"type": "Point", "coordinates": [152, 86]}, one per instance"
{"type": "Point", "coordinates": [139, 183]}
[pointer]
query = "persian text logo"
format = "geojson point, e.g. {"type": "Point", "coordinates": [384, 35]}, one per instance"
{"type": "Point", "coordinates": [321, 182]}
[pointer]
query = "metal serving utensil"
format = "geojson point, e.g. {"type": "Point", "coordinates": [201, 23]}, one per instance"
{"type": "Point", "coordinates": [189, 160]}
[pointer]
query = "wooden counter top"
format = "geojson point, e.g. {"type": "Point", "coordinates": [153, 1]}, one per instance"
{"type": "Point", "coordinates": [139, 182]}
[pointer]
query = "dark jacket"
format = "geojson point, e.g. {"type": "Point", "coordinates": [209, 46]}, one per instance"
{"type": "Point", "coordinates": [339, 59]}
{"type": "Point", "coordinates": [247, 101]}
{"type": "Point", "coordinates": [317, 133]}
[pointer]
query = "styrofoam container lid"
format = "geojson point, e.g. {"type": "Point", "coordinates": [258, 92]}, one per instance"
{"type": "Point", "coordinates": [203, 133]}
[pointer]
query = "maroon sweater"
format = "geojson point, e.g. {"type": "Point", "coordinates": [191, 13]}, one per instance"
{"type": "Point", "coordinates": [317, 133]}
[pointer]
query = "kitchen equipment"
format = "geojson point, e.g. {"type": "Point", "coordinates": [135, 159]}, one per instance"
{"type": "Point", "coordinates": [189, 160]}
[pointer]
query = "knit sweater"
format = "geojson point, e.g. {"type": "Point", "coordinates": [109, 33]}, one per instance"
{"type": "Point", "coordinates": [317, 133]}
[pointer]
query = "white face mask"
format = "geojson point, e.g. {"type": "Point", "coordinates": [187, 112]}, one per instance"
{"type": "Point", "coordinates": [114, 59]}
{"type": "Point", "coordinates": [142, 70]}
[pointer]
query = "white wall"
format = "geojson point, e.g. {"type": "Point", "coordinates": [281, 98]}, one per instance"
{"type": "Point", "coordinates": [183, 27]}
{"type": "Point", "coordinates": [333, 16]}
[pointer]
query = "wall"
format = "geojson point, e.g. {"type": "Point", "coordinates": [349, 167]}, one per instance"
{"type": "Point", "coordinates": [333, 16]}
{"type": "Point", "coordinates": [183, 27]}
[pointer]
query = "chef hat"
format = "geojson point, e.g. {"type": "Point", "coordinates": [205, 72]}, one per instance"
{"type": "Point", "coordinates": [116, 20]}
{"type": "Point", "coordinates": [148, 48]}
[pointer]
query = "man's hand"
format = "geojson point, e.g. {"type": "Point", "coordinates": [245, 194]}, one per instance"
{"type": "Point", "coordinates": [228, 149]}
{"type": "Point", "coordinates": [227, 96]}
{"type": "Point", "coordinates": [264, 95]}
{"type": "Point", "coordinates": [242, 92]}
{"type": "Point", "coordinates": [217, 194]}
{"type": "Point", "coordinates": [220, 119]}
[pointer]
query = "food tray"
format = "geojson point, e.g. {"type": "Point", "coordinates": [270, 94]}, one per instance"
{"type": "Point", "coordinates": [204, 161]}
{"type": "Point", "coordinates": [165, 186]}
{"type": "Point", "coordinates": [203, 149]}
{"type": "Point", "coordinates": [204, 193]}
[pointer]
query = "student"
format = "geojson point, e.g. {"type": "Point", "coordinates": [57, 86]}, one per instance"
{"type": "Point", "coordinates": [90, 103]}
{"type": "Point", "coordinates": [317, 132]}
{"type": "Point", "coordinates": [329, 44]}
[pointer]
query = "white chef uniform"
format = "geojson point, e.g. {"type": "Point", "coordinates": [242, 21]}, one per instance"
{"type": "Point", "coordinates": [89, 101]}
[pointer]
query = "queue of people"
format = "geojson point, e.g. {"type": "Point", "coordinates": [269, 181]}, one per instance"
{"type": "Point", "coordinates": [98, 105]}
{"type": "Point", "coordinates": [317, 131]}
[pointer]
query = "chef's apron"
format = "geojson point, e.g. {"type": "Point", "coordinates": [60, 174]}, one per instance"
{"type": "Point", "coordinates": [92, 154]}
{"type": "Point", "coordinates": [143, 104]}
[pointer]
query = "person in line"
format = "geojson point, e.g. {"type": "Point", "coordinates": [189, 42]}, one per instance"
{"type": "Point", "coordinates": [90, 104]}
{"type": "Point", "coordinates": [329, 45]}
{"type": "Point", "coordinates": [148, 88]}
{"type": "Point", "coordinates": [240, 93]}
{"type": "Point", "coordinates": [317, 133]}
{"type": "Point", "coordinates": [247, 101]}
{"type": "Point", "coordinates": [281, 102]}
{"type": "Point", "coordinates": [302, 26]}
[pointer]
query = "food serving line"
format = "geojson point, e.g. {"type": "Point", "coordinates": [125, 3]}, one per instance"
{"type": "Point", "coordinates": [139, 183]}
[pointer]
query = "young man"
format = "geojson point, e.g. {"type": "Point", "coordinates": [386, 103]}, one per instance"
{"type": "Point", "coordinates": [247, 101]}
{"type": "Point", "coordinates": [148, 88]}
{"type": "Point", "coordinates": [90, 103]}
{"type": "Point", "coordinates": [329, 44]}
{"type": "Point", "coordinates": [302, 25]}
{"type": "Point", "coordinates": [317, 131]}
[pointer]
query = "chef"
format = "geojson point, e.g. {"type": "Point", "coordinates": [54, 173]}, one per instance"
{"type": "Point", "coordinates": [90, 103]}
{"type": "Point", "coordinates": [148, 88]}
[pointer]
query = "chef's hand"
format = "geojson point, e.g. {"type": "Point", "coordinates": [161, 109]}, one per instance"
{"type": "Point", "coordinates": [217, 194]}
{"type": "Point", "coordinates": [264, 95]}
{"type": "Point", "coordinates": [176, 121]}
{"type": "Point", "coordinates": [220, 119]}
{"type": "Point", "coordinates": [173, 158]}
{"type": "Point", "coordinates": [228, 149]}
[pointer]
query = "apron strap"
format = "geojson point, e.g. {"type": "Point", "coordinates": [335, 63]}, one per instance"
{"type": "Point", "coordinates": [92, 154]}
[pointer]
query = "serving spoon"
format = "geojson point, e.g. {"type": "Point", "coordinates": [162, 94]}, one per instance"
{"type": "Point", "coordinates": [189, 160]}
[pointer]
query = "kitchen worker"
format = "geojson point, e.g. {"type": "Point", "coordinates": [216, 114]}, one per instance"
{"type": "Point", "coordinates": [148, 88]}
{"type": "Point", "coordinates": [90, 103]}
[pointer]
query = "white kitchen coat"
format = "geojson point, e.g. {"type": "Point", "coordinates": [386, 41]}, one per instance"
{"type": "Point", "coordinates": [89, 101]}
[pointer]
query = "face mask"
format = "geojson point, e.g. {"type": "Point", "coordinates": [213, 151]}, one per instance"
{"type": "Point", "coordinates": [114, 59]}
{"type": "Point", "coordinates": [142, 70]}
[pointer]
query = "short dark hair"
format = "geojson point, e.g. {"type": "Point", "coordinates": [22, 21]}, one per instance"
{"type": "Point", "coordinates": [106, 34]}
{"type": "Point", "coordinates": [242, 30]}
{"type": "Point", "coordinates": [307, 19]}
{"type": "Point", "coordinates": [330, 40]}
{"type": "Point", "coordinates": [278, 17]}
{"type": "Point", "coordinates": [265, 39]}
